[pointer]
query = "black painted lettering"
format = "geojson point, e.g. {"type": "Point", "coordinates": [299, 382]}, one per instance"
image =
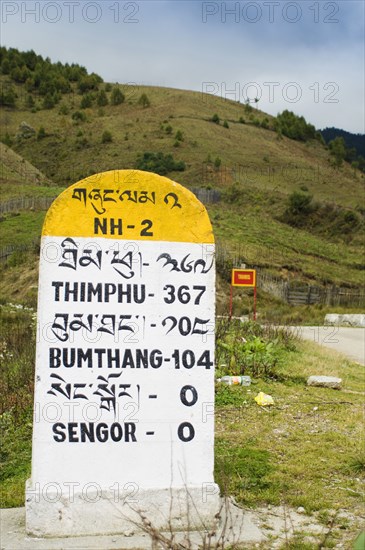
{"type": "Point", "coordinates": [124, 291]}
{"type": "Point", "coordinates": [130, 430]}
{"type": "Point", "coordinates": [100, 224]}
{"type": "Point", "coordinates": [110, 289]}
{"type": "Point", "coordinates": [147, 226]}
{"type": "Point", "coordinates": [113, 359]}
{"type": "Point", "coordinates": [72, 434]}
{"type": "Point", "coordinates": [188, 359]}
{"type": "Point", "coordinates": [116, 431]}
{"type": "Point", "coordinates": [99, 352]}
{"type": "Point", "coordinates": [139, 298]}
{"type": "Point", "coordinates": [128, 359]}
{"type": "Point", "coordinates": [156, 359]}
{"type": "Point", "coordinates": [116, 225]}
{"type": "Point", "coordinates": [84, 356]}
{"type": "Point", "coordinates": [59, 436]}
{"type": "Point", "coordinates": [82, 292]}
{"type": "Point", "coordinates": [188, 395]}
{"type": "Point", "coordinates": [204, 360]}
{"type": "Point", "coordinates": [87, 432]}
{"type": "Point", "coordinates": [186, 432]}
{"type": "Point", "coordinates": [71, 292]}
{"type": "Point", "coordinates": [57, 285]}
{"type": "Point", "coordinates": [141, 358]}
{"type": "Point", "coordinates": [102, 432]}
{"type": "Point", "coordinates": [54, 358]}
{"type": "Point", "coordinates": [68, 357]}
{"type": "Point", "coordinates": [94, 291]}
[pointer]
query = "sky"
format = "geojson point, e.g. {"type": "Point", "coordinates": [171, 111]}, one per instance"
{"type": "Point", "coordinates": [306, 56]}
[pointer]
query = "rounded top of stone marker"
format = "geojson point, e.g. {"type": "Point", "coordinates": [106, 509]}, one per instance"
{"type": "Point", "coordinates": [129, 205]}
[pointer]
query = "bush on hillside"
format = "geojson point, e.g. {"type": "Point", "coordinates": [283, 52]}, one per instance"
{"type": "Point", "coordinates": [299, 203]}
{"type": "Point", "coordinates": [102, 99]}
{"type": "Point", "coordinates": [117, 96]}
{"type": "Point", "coordinates": [144, 101]}
{"type": "Point", "coordinates": [294, 127]}
{"type": "Point", "coordinates": [8, 97]}
{"type": "Point", "coordinates": [106, 137]}
{"type": "Point", "coordinates": [86, 101]}
{"type": "Point", "coordinates": [78, 116]}
{"type": "Point", "coordinates": [159, 163]}
{"type": "Point", "coordinates": [41, 75]}
{"type": "Point", "coordinates": [338, 150]}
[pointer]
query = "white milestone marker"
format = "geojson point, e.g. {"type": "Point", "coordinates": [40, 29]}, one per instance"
{"type": "Point", "coordinates": [124, 389]}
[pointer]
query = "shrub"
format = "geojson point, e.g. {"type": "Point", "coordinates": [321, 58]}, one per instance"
{"type": "Point", "coordinates": [117, 96]}
{"type": "Point", "coordinates": [48, 101]}
{"type": "Point", "coordinates": [258, 354]}
{"type": "Point", "coordinates": [82, 143]}
{"type": "Point", "coordinates": [8, 97]}
{"type": "Point", "coordinates": [299, 209]}
{"type": "Point", "coordinates": [144, 101]}
{"type": "Point", "coordinates": [159, 163]}
{"type": "Point", "coordinates": [225, 124]}
{"type": "Point", "coordinates": [106, 137]}
{"type": "Point", "coordinates": [102, 99]}
{"type": "Point", "coordinates": [338, 150]}
{"type": "Point", "coordinates": [89, 82]}
{"type": "Point", "coordinates": [179, 136]}
{"type": "Point", "coordinates": [29, 102]}
{"type": "Point", "coordinates": [299, 203]}
{"type": "Point", "coordinates": [78, 116]}
{"type": "Point", "coordinates": [86, 101]}
{"type": "Point", "coordinates": [168, 129]}
{"type": "Point", "coordinates": [64, 110]}
{"type": "Point", "coordinates": [295, 127]}
{"type": "Point", "coordinates": [215, 118]}
{"type": "Point", "coordinates": [351, 219]}
{"type": "Point", "coordinates": [217, 163]}
{"type": "Point", "coordinates": [41, 133]}
{"type": "Point", "coordinates": [7, 140]}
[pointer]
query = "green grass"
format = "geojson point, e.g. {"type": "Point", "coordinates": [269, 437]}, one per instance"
{"type": "Point", "coordinates": [308, 446]}
{"type": "Point", "coordinates": [265, 242]}
{"type": "Point", "coordinates": [17, 349]}
{"type": "Point", "coordinates": [21, 228]}
{"type": "Point", "coordinates": [15, 458]}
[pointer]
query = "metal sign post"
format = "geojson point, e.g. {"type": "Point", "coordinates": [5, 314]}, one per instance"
{"type": "Point", "coordinates": [245, 278]}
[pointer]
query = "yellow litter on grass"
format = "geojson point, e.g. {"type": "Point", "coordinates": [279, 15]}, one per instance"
{"type": "Point", "coordinates": [263, 399]}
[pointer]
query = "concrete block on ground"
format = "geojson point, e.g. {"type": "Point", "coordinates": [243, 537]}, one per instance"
{"type": "Point", "coordinates": [325, 382]}
{"type": "Point", "coordinates": [346, 319]}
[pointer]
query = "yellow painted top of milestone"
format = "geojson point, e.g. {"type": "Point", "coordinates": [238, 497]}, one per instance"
{"type": "Point", "coordinates": [129, 205]}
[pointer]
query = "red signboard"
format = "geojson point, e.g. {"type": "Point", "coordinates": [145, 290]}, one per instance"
{"type": "Point", "coordinates": [244, 277]}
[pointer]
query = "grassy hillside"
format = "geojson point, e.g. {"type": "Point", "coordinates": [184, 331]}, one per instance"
{"type": "Point", "coordinates": [72, 149]}
{"type": "Point", "coordinates": [244, 156]}
{"type": "Point", "coordinates": [18, 177]}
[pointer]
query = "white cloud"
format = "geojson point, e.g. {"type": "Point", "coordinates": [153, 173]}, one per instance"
{"type": "Point", "coordinates": [170, 45]}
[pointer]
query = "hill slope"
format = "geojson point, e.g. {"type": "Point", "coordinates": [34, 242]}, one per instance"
{"type": "Point", "coordinates": [243, 155]}
{"type": "Point", "coordinates": [18, 176]}
{"type": "Point", "coordinates": [72, 148]}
